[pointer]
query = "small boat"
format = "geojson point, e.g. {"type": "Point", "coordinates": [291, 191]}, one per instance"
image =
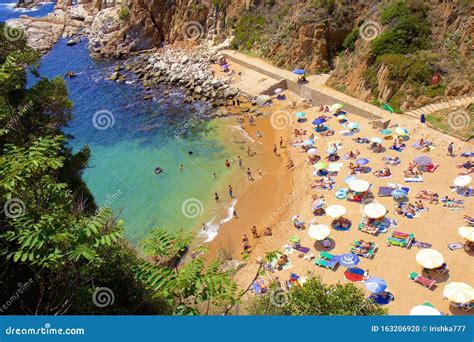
{"type": "Point", "coordinates": [158, 170]}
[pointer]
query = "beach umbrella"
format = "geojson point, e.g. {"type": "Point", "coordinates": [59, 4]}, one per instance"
{"type": "Point", "coordinates": [294, 239]}
{"type": "Point", "coordinates": [331, 150]}
{"type": "Point", "coordinates": [278, 91]}
{"type": "Point", "coordinates": [312, 151]}
{"type": "Point", "coordinates": [318, 231]}
{"type": "Point", "coordinates": [375, 210]}
{"type": "Point", "coordinates": [376, 140]}
{"type": "Point", "coordinates": [423, 160]}
{"type": "Point", "coordinates": [353, 125]}
{"type": "Point", "coordinates": [430, 258]}
{"type": "Point", "coordinates": [424, 310]}
{"type": "Point", "coordinates": [300, 115]}
{"type": "Point", "coordinates": [458, 292]}
{"type": "Point", "coordinates": [298, 71]}
{"type": "Point", "coordinates": [341, 117]}
{"type": "Point", "coordinates": [308, 142]}
{"type": "Point", "coordinates": [386, 132]}
{"type": "Point", "coordinates": [467, 233]}
{"type": "Point", "coordinates": [336, 106]}
{"type": "Point", "coordinates": [354, 274]}
{"type": "Point", "coordinates": [362, 161]}
{"type": "Point", "coordinates": [399, 194]}
{"type": "Point", "coordinates": [359, 185]}
{"type": "Point", "coordinates": [319, 121]}
{"type": "Point", "coordinates": [376, 285]}
{"type": "Point", "coordinates": [336, 210]}
{"type": "Point", "coordinates": [401, 131]}
{"type": "Point", "coordinates": [462, 180]}
{"type": "Point", "coordinates": [349, 259]}
{"type": "Point", "coordinates": [320, 165]}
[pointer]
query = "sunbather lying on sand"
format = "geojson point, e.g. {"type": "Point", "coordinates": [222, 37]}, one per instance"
{"type": "Point", "coordinates": [385, 172]}
{"type": "Point", "coordinates": [328, 133]}
{"type": "Point", "coordinates": [352, 155]}
{"type": "Point", "coordinates": [431, 196]}
{"type": "Point", "coordinates": [299, 132]}
{"type": "Point", "coordinates": [391, 161]}
{"type": "Point", "coordinates": [361, 140]}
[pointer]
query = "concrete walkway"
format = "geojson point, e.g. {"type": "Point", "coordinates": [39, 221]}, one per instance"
{"type": "Point", "coordinates": [315, 90]}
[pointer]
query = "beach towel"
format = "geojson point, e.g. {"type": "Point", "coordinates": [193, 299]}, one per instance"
{"type": "Point", "coordinates": [455, 245]}
{"type": "Point", "coordinates": [467, 154]}
{"type": "Point", "coordinates": [420, 244]}
{"type": "Point", "coordinates": [301, 249]}
{"type": "Point", "coordinates": [413, 180]}
{"type": "Point", "coordinates": [386, 191]}
{"type": "Point", "coordinates": [346, 133]}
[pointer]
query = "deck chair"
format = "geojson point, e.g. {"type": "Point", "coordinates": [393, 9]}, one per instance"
{"type": "Point", "coordinates": [327, 256]}
{"type": "Point", "coordinates": [426, 282]}
{"type": "Point", "coordinates": [329, 264]}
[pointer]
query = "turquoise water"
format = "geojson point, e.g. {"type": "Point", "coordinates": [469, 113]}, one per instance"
{"type": "Point", "coordinates": [139, 136]}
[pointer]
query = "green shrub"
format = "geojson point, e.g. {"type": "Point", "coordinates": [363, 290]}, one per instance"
{"type": "Point", "coordinates": [351, 38]}
{"type": "Point", "coordinates": [124, 13]}
{"type": "Point", "coordinates": [248, 31]}
{"type": "Point", "coordinates": [435, 90]}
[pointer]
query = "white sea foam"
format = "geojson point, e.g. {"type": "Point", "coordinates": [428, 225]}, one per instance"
{"type": "Point", "coordinates": [212, 227]}
{"type": "Point", "coordinates": [245, 134]}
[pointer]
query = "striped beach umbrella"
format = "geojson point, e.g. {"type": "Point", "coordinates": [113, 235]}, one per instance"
{"type": "Point", "coordinates": [401, 131]}
{"type": "Point", "coordinates": [341, 117]}
{"type": "Point", "coordinates": [399, 194]}
{"type": "Point", "coordinates": [458, 292]}
{"type": "Point", "coordinates": [376, 285]}
{"type": "Point", "coordinates": [376, 140]}
{"type": "Point", "coordinates": [423, 160]}
{"type": "Point", "coordinates": [349, 259]}
{"type": "Point", "coordinates": [308, 142]}
{"type": "Point", "coordinates": [430, 258]}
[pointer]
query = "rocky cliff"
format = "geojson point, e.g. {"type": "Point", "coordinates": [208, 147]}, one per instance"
{"type": "Point", "coordinates": [403, 52]}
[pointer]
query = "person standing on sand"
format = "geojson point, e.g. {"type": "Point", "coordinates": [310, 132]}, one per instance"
{"type": "Point", "coordinates": [249, 174]}
{"type": "Point", "coordinates": [231, 192]}
{"type": "Point", "coordinates": [422, 118]}
{"type": "Point", "coordinates": [451, 149]}
{"type": "Point", "coordinates": [240, 161]}
{"type": "Point", "coordinates": [275, 149]}
{"type": "Point", "coordinates": [235, 214]}
{"type": "Point", "coordinates": [227, 163]}
{"type": "Point", "coordinates": [238, 102]}
{"type": "Point", "coordinates": [251, 120]}
{"type": "Point", "coordinates": [281, 142]}
{"type": "Point", "coordinates": [260, 173]}
{"type": "Point", "coordinates": [254, 232]}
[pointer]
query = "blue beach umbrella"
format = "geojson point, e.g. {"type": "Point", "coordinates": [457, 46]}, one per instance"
{"type": "Point", "coordinates": [308, 142]}
{"type": "Point", "coordinates": [423, 160]}
{"type": "Point", "coordinates": [386, 132]}
{"type": "Point", "coordinates": [348, 259]}
{"type": "Point", "coordinates": [298, 72]}
{"type": "Point", "coordinates": [300, 115]}
{"type": "Point", "coordinates": [376, 285]}
{"type": "Point", "coordinates": [318, 121]}
{"type": "Point", "coordinates": [399, 194]}
{"type": "Point", "coordinates": [362, 161]}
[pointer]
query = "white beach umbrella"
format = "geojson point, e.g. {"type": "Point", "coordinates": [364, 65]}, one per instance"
{"type": "Point", "coordinates": [467, 233]}
{"type": "Point", "coordinates": [359, 185]}
{"type": "Point", "coordinates": [318, 231]}
{"type": "Point", "coordinates": [375, 210]}
{"type": "Point", "coordinates": [376, 140]}
{"type": "Point", "coordinates": [336, 210]}
{"type": "Point", "coordinates": [458, 292]}
{"type": "Point", "coordinates": [278, 91]}
{"type": "Point", "coordinates": [462, 180]}
{"type": "Point", "coordinates": [430, 258]}
{"type": "Point", "coordinates": [312, 151]}
{"type": "Point", "coordinates": [424, 310]}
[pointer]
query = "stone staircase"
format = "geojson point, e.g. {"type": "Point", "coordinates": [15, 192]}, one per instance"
{"type": "Point", "coordinates": [434, 107]}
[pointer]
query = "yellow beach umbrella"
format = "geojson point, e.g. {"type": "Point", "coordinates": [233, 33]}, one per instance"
{"type": "Point", "coordinates": [336, 211]}
{"type": "Point", "coordinates": [359, 185]}
{"type": "Point", "coordinates": [458, 292]}
{"type": "Point", "coordinates": [467, 233]}
{"type": "Point", "coordinates": [318, 231]}
{"type": "Point", "coordinates": [429, 258]}
{"type": "Point", "coordinates": [375, 210]}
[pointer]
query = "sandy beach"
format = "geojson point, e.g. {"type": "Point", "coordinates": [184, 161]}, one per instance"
{"type": "Point", "coordinates": [273, 199]}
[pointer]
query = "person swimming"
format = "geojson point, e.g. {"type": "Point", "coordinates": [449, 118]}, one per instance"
{"type": "Point", "coordinates": [158, 170]}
